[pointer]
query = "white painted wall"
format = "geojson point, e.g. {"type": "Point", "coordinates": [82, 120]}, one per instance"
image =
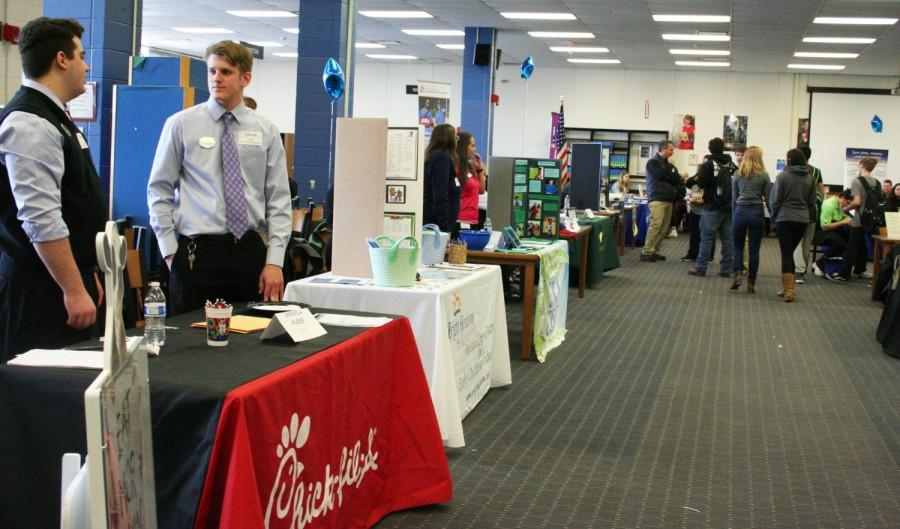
{"type": "Point", "coordinates": [17, 13]}
{"type": "Point", "coordinates": [596, 98]}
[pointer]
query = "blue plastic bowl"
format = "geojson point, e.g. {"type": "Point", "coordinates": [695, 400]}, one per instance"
{"type": "Point", "coordinates": [475, 240]}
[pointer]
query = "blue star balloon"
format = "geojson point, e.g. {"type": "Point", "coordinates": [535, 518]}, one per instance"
{"type": "Point", "coordinates": [527, 68]}
{"type": "Point", "coordinates": [333, 79]}
{"type": "Point", "coordinates": [877, 125]}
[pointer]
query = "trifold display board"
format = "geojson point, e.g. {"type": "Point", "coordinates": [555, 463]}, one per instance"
{"type": "Point", "coordinates": [535, 199]}
{"type": "Point", "coordinates": [844, 121]}
{"type": "Point", "coordinates": [404, 182]}
{"type": "Point", "coordinates": [360, 162]}
{"type": "Point", "coordinates": [590, 174]}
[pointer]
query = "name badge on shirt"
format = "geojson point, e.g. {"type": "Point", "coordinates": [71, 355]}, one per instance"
{"type": "Point", "coordinates": [207, 142]}
{"type": "Point", "coordinates": [250, 137]}
{"type": "Point", "coordinates": [81, 141]}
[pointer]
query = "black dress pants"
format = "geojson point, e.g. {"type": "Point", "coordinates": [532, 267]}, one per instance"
{"type": "Point", "coordinates": [855, 256]}
{"type": "Point", "coordinates": [222, 268]}
{"type": "Point", "coordinates": [32, 312]}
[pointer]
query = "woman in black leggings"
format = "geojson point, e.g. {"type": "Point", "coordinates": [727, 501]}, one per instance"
{"type": "Point", "coordinates": [792, 200]}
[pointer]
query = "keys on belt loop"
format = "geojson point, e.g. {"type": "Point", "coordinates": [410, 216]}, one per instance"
{"type": "Point", "coordinates": [191, 254]}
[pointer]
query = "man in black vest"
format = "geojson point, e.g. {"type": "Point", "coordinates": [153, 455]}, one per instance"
{"type": "Point", "coordinates": [51, 199]}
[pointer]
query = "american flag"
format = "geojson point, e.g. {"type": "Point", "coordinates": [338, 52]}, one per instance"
{"type": "Point", "coordinates": [562, 148]}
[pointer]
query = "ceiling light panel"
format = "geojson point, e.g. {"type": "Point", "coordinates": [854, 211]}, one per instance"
{"type": "Point", "coordinates": [292, 30]}
{"type": "Point", "coordinates": [561, 35]}
{"type": "Point", "coordinates": [838, 40]}
{"type": "Point", "coordinates": [451, 46]}
{"type": "Point", "coordinates": [266, 44]}
{"type": "Point", "coordinates": [395, 14]}
{"type": "Point", "coordinates": [696, 37]}
{"type": "Point", "coordinates": [261, 14]}
{"type": "Point", "coordinates": [855, 21]}
{"type": "Point", "coordinates": [703, 19]}
{"type": "Point", "coordinates": [578, 49]}
{"type": "Point", "coordinates": [816, 66]}
{"type": "Point", "coordinates": [288, 54]}
{"type": "Point", "coordinates": [435, 32]}
{"type": "Point", "coordinates": [538, 16]}
{"type": "Point", "coordinates": [595, 61]}
{"type": "Point", "coordinates": [825, 55]}
{"type": "Point", "coordinates": [714, 64]}
{"type": "Point", "coordinates": [368, 45]}
{"type": "Point", "coordinates": [707, 53]}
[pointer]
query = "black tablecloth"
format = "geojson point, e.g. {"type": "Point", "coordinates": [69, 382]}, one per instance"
{"type": "Point", "coordinates": [42, 417]}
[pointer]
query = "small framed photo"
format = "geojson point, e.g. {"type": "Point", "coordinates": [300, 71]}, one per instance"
{"type": "Point", "coordinates": [395, 194]}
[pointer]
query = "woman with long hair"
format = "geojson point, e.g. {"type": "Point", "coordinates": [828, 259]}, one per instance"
{"type": "Point", "coordinates": [440, 200]}
{"type": "Point", "coordinates": [470, 180]}
{"type": "Point", "coordinates": [790, 201]}
{"type": "Point", "coordinates": [749, 189]}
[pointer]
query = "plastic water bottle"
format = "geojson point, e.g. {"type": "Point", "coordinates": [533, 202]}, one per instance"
{"type": "Point", "coordinates": [155, 316]}
{"type": "Point", "coordinates": [487, 224]}
{"type": "Point", "coordinates": [566, 204]}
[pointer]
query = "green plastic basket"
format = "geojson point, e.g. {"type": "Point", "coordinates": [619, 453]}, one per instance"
{"type": "Point", "coordinates": [395, 265]}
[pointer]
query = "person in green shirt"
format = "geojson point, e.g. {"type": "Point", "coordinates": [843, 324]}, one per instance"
{"type": "Point", "coordinates": [835, 226]}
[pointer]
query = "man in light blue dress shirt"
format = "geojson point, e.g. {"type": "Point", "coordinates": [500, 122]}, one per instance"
{"type": "Point", "coordinates": [51, 199]}
{"type": "Point", "coordinates": [186, 193]}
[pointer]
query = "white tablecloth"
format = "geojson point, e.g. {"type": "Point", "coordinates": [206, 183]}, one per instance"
{"type": "Point", "coordinates": [459, 321]}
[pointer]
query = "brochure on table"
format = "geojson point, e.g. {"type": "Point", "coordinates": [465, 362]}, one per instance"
{"type": "Point", "coordinates": [403, 183]}
{"type": "Point", "coordinates": [535, 200]}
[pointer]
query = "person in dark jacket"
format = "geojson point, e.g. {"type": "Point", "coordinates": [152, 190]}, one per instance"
{"type": "Point", "coordinates": [790, 200]}
{"type": "Point", "coordinates": [51, 199]}
{"type": "Point", "coordinates": [714, 179]}
{"type": "Point", "coordinates": [662, 189]}
{"type": "Point", "coordinates": [440, 200]}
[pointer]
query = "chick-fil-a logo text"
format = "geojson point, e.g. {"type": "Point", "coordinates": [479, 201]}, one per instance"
{"type": "Point", "coordinates": [301, 502]}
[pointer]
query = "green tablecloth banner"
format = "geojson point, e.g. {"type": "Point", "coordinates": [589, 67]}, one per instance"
{"type": "Point", "coordinates": [551, 301]}
{"type": "Point", "coordinates": [602, 250]}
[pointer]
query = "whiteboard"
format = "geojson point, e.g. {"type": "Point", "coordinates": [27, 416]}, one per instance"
{"type": "Point", "coordinates": [839, 121]}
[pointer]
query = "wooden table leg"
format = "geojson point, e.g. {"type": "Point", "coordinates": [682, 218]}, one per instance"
{"type": "Point", "coordinates": [582, 264]}
{"type": "Point", "coordinates": [528, 308]}
{"type": "Point", "coordinates": [878, 255]}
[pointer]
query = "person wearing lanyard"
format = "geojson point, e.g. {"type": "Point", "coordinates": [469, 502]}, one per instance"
{"type": "Point", "coordinates": [51, 199]}
{"type": "Point", "coordinates": [225, 231]}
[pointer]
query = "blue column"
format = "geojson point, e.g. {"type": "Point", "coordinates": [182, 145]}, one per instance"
{"type": "Point", "coordinates": [326, 28]}
{"type": "Point", "coordinates": [107, 41]}
{"type": "Point", "coordinates": [477, 87]}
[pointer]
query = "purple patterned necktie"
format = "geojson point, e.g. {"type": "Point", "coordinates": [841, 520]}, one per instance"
{"type": "Point", "coordinates": [235, 201]}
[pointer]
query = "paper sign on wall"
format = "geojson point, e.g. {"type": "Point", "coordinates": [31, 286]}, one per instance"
{"type": "Point", "coordinates": [300, 325]}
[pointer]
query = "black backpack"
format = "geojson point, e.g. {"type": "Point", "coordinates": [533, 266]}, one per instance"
{"type": "Point", "coordinates": [871, 213]}
{"type": "Point", "coordinates": [722, 191]}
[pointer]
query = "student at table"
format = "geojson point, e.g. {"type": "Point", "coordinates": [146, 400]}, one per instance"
{"type": "Point", "coordinates": [221, 241]}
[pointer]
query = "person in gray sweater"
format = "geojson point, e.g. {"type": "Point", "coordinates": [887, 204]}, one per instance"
{"type": "Point", "coordinates": [749, 189]}
{"type": "Point", "coordinates": [789, 202]}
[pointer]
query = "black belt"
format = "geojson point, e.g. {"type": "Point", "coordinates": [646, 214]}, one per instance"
{"type": "Point", "coordinates": [222, 237]}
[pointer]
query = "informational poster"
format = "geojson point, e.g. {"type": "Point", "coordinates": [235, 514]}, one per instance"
{"type": "Point", "coordinates": [535, 198]}
{"type": "Point", "coordinates": [855, 154]}
{"type": "Point", "coordinates": [399, 225]}
{"type": "Point", "coordinates": [434, 105]}
{"type": "Point", "coordinates": [403, 154]}
{"type": "Point", "coordinates": [734, 132]}
{"type": "Point", "coordinates": [683, 128]}
{"type": "Point", "coordinates": [84, 107]}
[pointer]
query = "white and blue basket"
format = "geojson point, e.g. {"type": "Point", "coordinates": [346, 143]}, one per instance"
{"type": "Point", "coordinates": [434, 244]}
{"type": "Point", "coordinates": [395, 265]}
